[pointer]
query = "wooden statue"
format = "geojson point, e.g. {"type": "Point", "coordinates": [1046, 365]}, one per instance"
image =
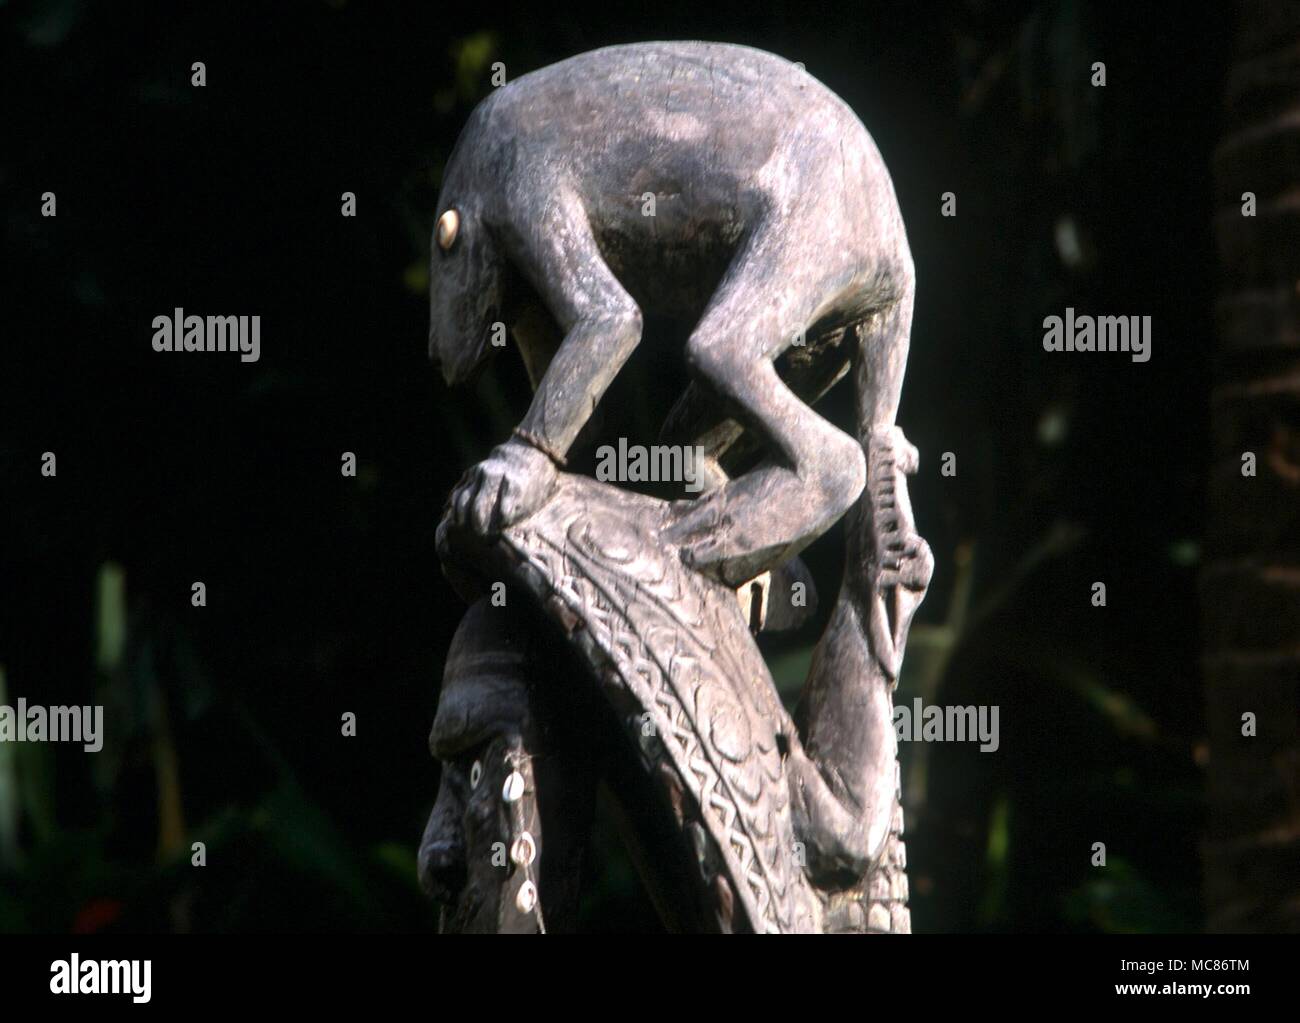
{"type": "Point", "coordinates": [728, 188]}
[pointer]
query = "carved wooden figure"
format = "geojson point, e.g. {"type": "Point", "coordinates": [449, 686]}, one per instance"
{"type": "Point", "coordinates": [728, 188]}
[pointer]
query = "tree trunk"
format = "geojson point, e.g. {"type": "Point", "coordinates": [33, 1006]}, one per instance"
{"type": "Point", "coordinates": [1251, 583]}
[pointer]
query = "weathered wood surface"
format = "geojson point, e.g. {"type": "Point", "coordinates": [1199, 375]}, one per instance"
{"type": "Point", "coordinates": [723, 187]}
{"type": "Point", "coordinates": [673, 654]}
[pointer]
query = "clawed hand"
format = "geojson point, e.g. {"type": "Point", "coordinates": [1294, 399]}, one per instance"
{"type": "Point", "coordinates": [513, 482]}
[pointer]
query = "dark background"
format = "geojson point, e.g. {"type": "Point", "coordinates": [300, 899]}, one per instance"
{"type": "Point", "coordinates": [324, 592]}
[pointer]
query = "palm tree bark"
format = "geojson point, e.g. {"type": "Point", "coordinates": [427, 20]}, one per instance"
{"type": "Point", "coordinates": [1251, 583]}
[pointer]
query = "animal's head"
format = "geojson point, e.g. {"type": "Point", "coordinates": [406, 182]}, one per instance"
{"type": "Point", "coordinates": [465, 289]}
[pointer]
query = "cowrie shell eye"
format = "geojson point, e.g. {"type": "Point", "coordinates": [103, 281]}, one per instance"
{"type": "Point", "coordinates": [448, 226]}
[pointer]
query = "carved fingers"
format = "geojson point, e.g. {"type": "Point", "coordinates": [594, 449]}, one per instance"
{"type": "Point", "coordinates": [512, 483]}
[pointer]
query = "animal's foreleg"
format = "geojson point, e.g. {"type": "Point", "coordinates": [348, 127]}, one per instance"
{"type": "Point", "coordinates": [593, 351]}
{"type": "Point", "coordinates": [602, 326]}
{"type": "Point", "coordinates": [600, 320]}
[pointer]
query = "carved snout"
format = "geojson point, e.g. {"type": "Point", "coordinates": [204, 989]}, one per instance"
{"type": "Point", "coordinates": [441, 863]}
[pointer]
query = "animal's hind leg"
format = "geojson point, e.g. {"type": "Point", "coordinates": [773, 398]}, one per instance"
{"type": "Point", "coordinates": [816, 472]}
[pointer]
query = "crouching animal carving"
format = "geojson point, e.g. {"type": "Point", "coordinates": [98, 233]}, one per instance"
{"type": "Point", "coordinates": [727, 187]}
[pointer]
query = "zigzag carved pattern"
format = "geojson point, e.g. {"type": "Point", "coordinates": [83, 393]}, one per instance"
{"type": "Point", "coordinates": [634, 661]}
{"type": "Point", "coordinates": [748, 815]}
